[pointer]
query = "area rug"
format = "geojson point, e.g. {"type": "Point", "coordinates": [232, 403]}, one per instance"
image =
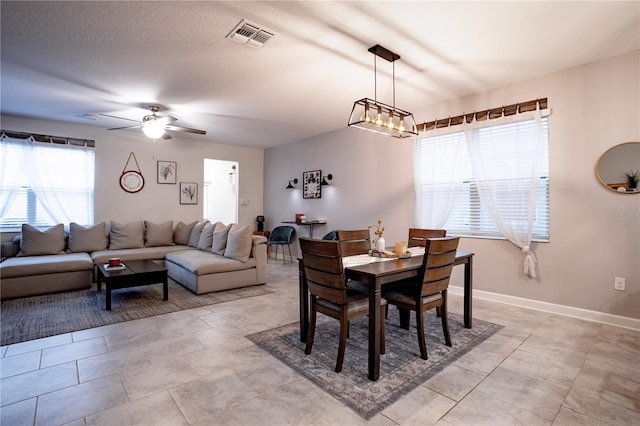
{"type": "Point", "coordinates": [29, 318]}
{"type": "Point", "coordinates": [401, 368]}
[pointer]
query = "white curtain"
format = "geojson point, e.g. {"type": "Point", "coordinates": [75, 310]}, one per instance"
{"type": "Point", "coordinates": [439, 175]}
{"type": "Point", "coordinates": [52, 173]}
{"type": "Point", "coordinates": [9, 180]}
{"type": "Point", "coordinates": [508, 189]}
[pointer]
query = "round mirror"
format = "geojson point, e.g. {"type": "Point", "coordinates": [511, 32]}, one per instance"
{"type": "Point", "coordinates": [618, 169]}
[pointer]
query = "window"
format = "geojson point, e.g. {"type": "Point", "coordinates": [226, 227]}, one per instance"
{"type": "Point", "coordinates": [44, 184]}
{"type": "Point", "coordinates": [448, 182]}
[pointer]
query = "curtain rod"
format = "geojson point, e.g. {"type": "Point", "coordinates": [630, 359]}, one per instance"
{"type": "Point", "coordinates": [487, 114]}
{"type": "Point", "coordinates": [59, 140]}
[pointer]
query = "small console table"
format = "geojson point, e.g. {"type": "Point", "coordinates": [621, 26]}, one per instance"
{"type": "Point", "coordinates": [308, 223]}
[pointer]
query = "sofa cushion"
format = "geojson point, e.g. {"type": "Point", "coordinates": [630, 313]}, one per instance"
{"type": "Point", "coordinates": [48, 264]}
{"type": "Point", "coordinates": [124, 236]}
{"type": "Point", "coordinates": [201, 262]}
{"type": "Point", "coordinates": [182, 233]}
{"type": "Point", "coordinates": [220, 238]}
{"type": "Point", "coordinates": [239, 244]}
{"type": "Point", "coordinates": [158, 234]}
{"type": "Point", "coordinates": [35, 242]}
{"type": "Point", "coordinates": [206, 237]}
{"type": "Point", "coordinates": [85, 239]}
{"type": "Point", "coordinates": [195, 233]}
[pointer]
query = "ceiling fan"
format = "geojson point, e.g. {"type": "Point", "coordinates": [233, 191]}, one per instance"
{"type": "Point", "coordinates": [155, 126]}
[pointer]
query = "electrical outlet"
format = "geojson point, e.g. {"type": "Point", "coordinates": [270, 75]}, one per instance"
{"type": "Point", "coordinates": [619, 283]}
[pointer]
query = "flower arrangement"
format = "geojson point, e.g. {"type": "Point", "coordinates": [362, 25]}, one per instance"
{"type": "Point", "coordinates": [379, 229]}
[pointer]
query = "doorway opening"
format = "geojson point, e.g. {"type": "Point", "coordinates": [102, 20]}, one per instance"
{"type": "Point", "coordinates": [220, 194]}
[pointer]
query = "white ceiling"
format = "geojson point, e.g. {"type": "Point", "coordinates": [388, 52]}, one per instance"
{"type": "Point", "coordinates": [62, 60]}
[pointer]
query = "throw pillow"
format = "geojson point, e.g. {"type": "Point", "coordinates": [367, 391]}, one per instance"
{"type": "Point", "coordinates": [158, 235]}
{"type": "Point", "coordinates": [35, 242]}
{"type": "Point", "coordinates": [195, 233]}
{"type": "Point", "coordinates": [182, 233]}
{"type": "Point", "coordinates": [125, 236]}
{"type": "Point", "coordinates": [85, 239]}
{"type": "Point", "coordinates": [220, 238]}
{"type": "Point", "coordinates": [206, 237]}
{"type": "Point", "coordinates": [239, 244]}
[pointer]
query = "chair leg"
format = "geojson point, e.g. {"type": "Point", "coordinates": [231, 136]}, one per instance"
{"type": "Point", "coordinates": [284, 262]}
{"type": "Point", "coordinates": [445, 322]}
{"type": "Point", "coordinates": [383, 345]}
{"type": "Point", "coordinates": [420, 327]}
{"type": "Point", "coordinates": [405, 314]}
{"type": "Point", "coordinates": [312, 326]}
{"type": "Point", "coordinates": [343, 339]}
{"type": "Point", "coordinates": [290, 255]}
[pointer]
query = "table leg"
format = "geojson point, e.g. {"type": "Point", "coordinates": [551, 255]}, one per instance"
{"type": "Point", "coordinates": [468, 290]}
{"type": "Point", "coordinates": [374, 332]}
{"type": "Point", "coordinates": [99, 283]}
{"type": "Point", "coordinates": [165, 288]}
{"type": "Point", "coordinates": [108, 290]}
{"type": "Point", "coordinates": [304, 302]}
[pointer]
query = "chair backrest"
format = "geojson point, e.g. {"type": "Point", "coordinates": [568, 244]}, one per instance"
{"type": "Point", "coordinates": [353, 242]}
{"type": "Point", "coordinates": [439, 255]}
{"type": "Point", "coordinates": [322, 262]}
{"type": "Point", "coordinates": [418, 237]}
{"type": "Point", "coordinates": [281, 234]}
{"type": "Point", "coordinates": [333, 235]}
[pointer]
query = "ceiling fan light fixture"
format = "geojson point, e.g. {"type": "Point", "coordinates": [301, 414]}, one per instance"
{"type": "Point", "coordinates": [152, 130]}
{"type": "Point", "coordinates": [405, 125]}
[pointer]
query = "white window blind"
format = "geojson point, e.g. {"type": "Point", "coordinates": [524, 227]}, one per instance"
{"type": "Point", "coordinates": [446, 186]}
{"type": "Point", "coordinates": [44, 184]}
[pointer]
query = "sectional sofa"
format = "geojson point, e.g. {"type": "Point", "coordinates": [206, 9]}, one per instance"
{"type": "Point", "coordinates": [201, 256]}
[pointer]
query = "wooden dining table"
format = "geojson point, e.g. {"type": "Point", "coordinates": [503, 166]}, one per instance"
{"type": "Point", "coordinates": [376, 273]}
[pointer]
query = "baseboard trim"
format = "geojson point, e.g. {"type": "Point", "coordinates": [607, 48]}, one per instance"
{"type": "Point", "coordinates": [569, 311]}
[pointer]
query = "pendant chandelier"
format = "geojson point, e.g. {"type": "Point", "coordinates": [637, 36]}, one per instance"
{"type": "Point", "coordinates": [369, 114]}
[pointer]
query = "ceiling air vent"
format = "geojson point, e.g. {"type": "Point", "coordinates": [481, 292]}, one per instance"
{"type": "Point", "coordinates": [250, 34]}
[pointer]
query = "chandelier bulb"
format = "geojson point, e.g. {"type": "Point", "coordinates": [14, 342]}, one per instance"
{"type": "Point", "coordinates": [401, 127]}
{"type": "Point", "coordinates": [379, 121]}
{"type": "Point", "coordinates": [390, 123]}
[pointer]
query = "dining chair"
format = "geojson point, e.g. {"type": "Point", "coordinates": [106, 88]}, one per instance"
{"type": "Point", "coordinates": [418, 236]}
{"type": "Point", "coordinates": [428, 290]}
{"type": "Point", "coordinates": [332, 235]}
{"type": "Point", "coordinates": [353, 242]}
{"type": "Point", "coordinates": [324, 272]}
{"type": "Point", "coordinates": [280, 236]}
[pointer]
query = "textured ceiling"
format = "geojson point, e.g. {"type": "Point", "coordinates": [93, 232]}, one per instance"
{"type": "Point", "coordinates": [62, 60]}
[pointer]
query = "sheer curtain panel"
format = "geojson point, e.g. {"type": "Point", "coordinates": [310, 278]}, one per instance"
{"type": "Point", "coordinates": [44, 184]}
{"type": "Point", "coordinates": [507, 160]}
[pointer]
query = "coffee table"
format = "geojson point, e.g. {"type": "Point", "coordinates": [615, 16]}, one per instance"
{"type": "Point", "coordinates": [135, 273]}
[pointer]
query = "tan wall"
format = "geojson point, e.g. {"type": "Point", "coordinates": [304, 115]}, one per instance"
{"type": "Point", "coordinates": [595, 233]}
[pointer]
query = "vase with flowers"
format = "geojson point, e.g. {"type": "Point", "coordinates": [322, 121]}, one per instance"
{"type": "Point", "coordinates": [379, 241]}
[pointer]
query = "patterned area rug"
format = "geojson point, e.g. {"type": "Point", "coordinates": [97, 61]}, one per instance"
{"type": "Point", "coordinates": [29, 318]}
{"type": "Point", "coordinates": [401, 368]}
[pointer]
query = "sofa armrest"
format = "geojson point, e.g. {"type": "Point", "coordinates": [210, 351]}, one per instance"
{"type": "Point", "coordinates": [259, 253]}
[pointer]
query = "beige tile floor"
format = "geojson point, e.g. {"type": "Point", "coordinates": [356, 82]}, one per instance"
{"type": "Point", "coordinates": [196, 367]}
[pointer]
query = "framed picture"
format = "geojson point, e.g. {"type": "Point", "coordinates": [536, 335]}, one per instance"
{"type": "Point", "coordinates": [188, 193]}
{"type": "Point", "coordinates": [311, 184]}
{"type": "Point", "coordinates": [167, 172]}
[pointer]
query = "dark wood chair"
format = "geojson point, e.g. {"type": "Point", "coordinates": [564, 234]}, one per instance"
{"type": "Point", "coordinates": [353, 242]}
{"type": "Point", "coordinates": [322, 262]}
{"type": "Point", "coordinates": [418, 236]}
{"type": "Point", "coordinates": [429, 290]}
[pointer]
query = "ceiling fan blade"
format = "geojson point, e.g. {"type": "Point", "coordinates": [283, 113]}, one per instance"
{"type": "Point", "coordinates": [165, 120]}
{"type": "Point", "coordinates": [185, 129]}
{"type": "Point", "coordinates": [119, 118]}
{"type": "Point", "coordinates": [125, 127]}
{"type": "Point", "coordinates": [166, 136]}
